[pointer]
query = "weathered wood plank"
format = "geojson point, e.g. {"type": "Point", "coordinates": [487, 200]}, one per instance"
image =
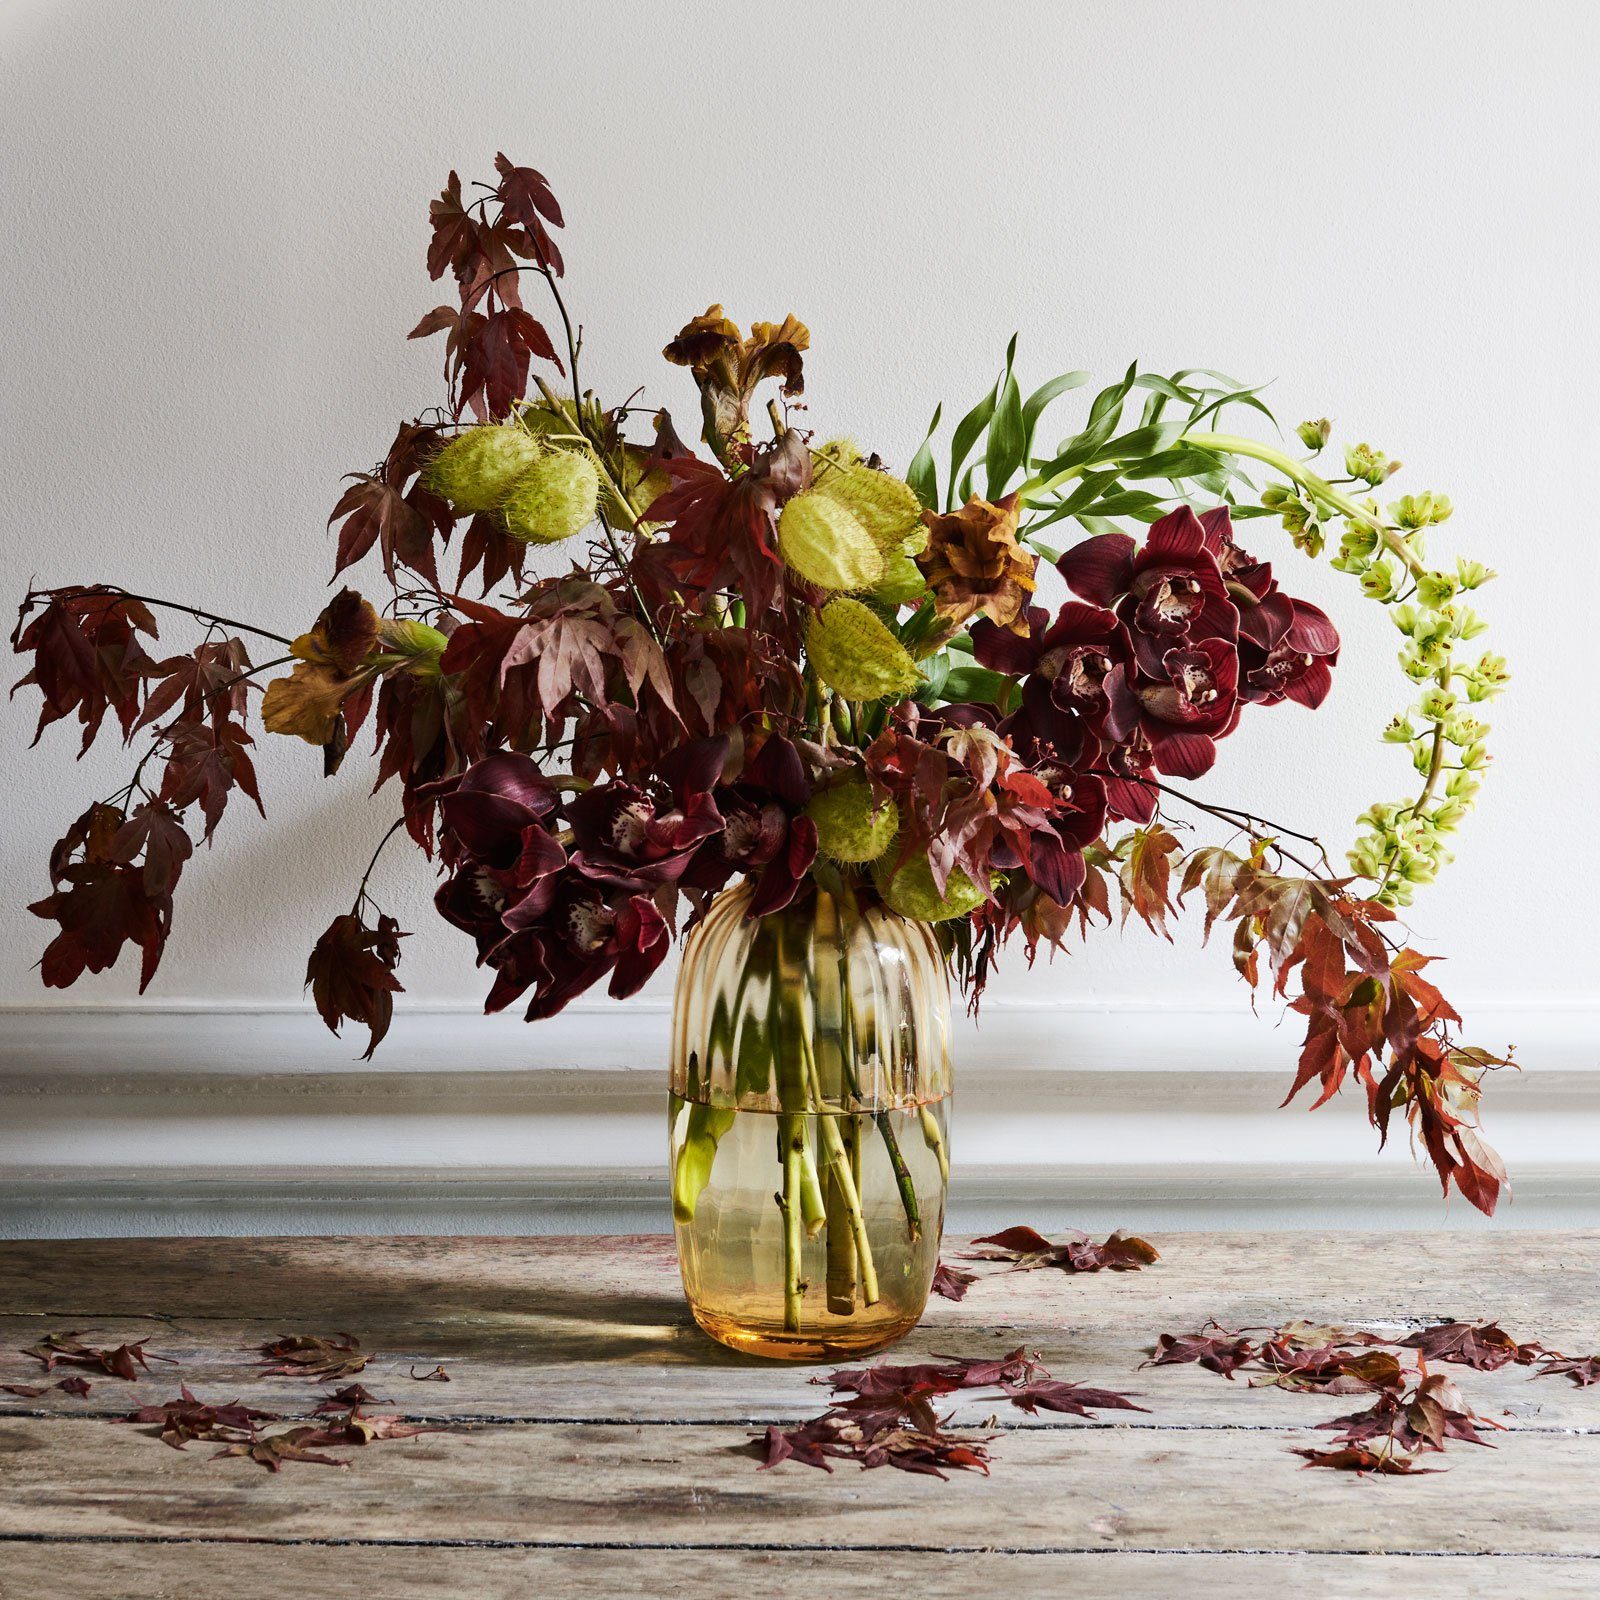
{"type": "Point", "coordinates": [631, 1283]}
{"type": "Point", "coordinates": [503, 1368]}
{"type": "Point", "coordinates": [578, 1484]}
{"type": "Point", "coordinates": [84, 1571]}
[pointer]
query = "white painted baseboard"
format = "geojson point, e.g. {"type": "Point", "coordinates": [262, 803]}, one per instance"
{"type": "Point", "coordinates": [217, 1120]}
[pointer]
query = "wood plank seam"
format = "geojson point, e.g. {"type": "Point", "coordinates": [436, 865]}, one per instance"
{"type": "Point", "coordinates": [774, 1547]}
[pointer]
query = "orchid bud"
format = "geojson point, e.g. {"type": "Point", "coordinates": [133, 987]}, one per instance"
{"type": "Point", "coordinates": [1463, 786]}
{"type": "Point", "coordinates": [1474, 758]}
{"type": "Point", "coordinates": [1314, 435]}
{"type": "Point", "coordinates": [1448, 816]}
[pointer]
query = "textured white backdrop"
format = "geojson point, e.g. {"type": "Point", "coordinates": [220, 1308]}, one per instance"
{"type": "Point", "coordinates": [214, 230]}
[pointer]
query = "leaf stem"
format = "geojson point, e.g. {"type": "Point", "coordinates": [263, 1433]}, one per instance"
{"type": "Point", "coordinates": [112, 592]}
{"type": "Point", "coordinates": [361, 889]}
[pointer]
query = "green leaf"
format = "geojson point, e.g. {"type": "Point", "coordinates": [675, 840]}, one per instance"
{"type": "Point", "coordinates": [967, 431]}
{"type": "Point", "coordinates": [922, 474]}
{"type": "Point", "coordinates": [1033, 407]}
{"type": "Point", "coordinates": [980, 685]}
{"type": "Point", "coordinates": [1233, 397]}
{"type": "Point", "coordinates": [1142, 442]}
{"type": "Point", "coordinates": [935, 670]}
{"type": "Point", "coordinates": [1006, 442]}
{"type": "Point", "coordinates": [1110, 400]}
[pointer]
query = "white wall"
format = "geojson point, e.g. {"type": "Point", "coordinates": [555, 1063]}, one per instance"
{"type": "Point", "coordinates": [215, 216]}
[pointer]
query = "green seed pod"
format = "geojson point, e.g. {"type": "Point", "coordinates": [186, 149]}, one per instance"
{"type": "Point", "coordinates": [910, 891]}
{"type": "Point", "coordinates": [857, 656]}
{"type": "Point", "coordinates": [849, 829]}
{"type": "Point", "coordinates": [827, 545]}
{"type": "Point", "coordinates": [902, 585]}
{"type": "Point", "coordinates": [887, 508]}
{"type": "Point", "coordinates": [552, 500]}
{"type": "Point", "coordinates": [477, 469]}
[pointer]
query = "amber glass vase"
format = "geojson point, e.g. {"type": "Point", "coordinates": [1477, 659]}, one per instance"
{"type": "Point", "coordinates": [809, 1124]}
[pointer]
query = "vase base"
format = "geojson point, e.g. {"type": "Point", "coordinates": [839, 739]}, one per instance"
{"type": "Point", "coordinates": [837, 1342]}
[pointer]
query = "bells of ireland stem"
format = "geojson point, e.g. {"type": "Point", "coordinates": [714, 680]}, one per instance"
{"type": "Point", "coordinates": [853, 827]}
{"type": "Point", "coordinates": [554, 499]}
{"type": "Point", "coordinates": [827, 545]}
{"type": "Point", "coordinates": [909, 890]}
{"type": "Point", "coordinates": [476, 470]}
{"type": "Point", "coordinates": [852, 651]}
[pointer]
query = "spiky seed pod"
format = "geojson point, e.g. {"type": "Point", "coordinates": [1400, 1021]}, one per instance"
{"type": "Point", "coordinates": [856, 655]}
{"type": "Point", "coordinates": [554, 499]}
{"type": "Point", "coordinates": [902, 584]}
{"type": "Point", "coordinates": [849, 829]}
{"type": "Point", "coordinates": [887, 508]}
{"type": "Point", "coordinates": [910, 892]}
{"type": "Point", "coordinates": [476, 470]}
{"type": "Point", "coordinates": [823, 542]}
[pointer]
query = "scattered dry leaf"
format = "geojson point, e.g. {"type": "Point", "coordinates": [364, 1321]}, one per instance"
{"type": "Point", "coordinates": [308, 1355]}
{"type": "Point", "coordinates": [273, 1449]}
{"type": "Point", "coordinates": [67, 1350]}
{"type": "Point", "coordinates": [189, 1418]}
{"type": "Point", "coordinates": [1026, 1249]}
{"type": "Point", "coordinates": [951, 1282]}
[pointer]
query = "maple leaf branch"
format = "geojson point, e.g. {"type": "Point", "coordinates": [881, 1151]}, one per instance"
{"type": "Point", "coordinates": [1249, 821]}
{"type": "Point", "coordinates": [361, 889]}
{"type": "Point", "coordinates": [114, 595]}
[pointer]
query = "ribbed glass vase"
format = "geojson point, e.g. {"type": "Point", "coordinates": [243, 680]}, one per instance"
{"type": "Point", "coordinates": [809, 1123]}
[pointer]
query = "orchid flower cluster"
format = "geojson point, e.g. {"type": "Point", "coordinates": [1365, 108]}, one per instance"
{"type": "Point", "coordinates": [773, 659]}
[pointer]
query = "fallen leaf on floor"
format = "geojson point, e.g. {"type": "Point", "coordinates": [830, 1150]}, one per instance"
{"type": "Point", "coordinates": [1219, 1351]}
{"type": "Point", "coordinates": [77, 1387]}
{"type": "Point", "coordinates": [273, 1449]}
{"type": "Point", "coordinates": [889, 1420]}
{"type": "Point", "coordinates": [951, 1282]}
{"type": "Point", "coordinates": [305, 1355]}
{"type": "Point", "coordinates": [353, 1394]}
{"type": "Point", "coordinates": [1025, 1249]}
{"type": "Point", "coordinates": [1422, 1418]}
{"type": "Point", "coordinates": [67, 1350]}
{"type": "Point", "coordinates": [1073, 1399]}
{"type": "Point", "coordinates": [189, 1418]}
{"type": "Point", "coordinates": [1357, 1458]}
{"type": "Point", "coordinates": [1484, 1348]}
{"type": "Point", "coordinates": [1583, 1370]}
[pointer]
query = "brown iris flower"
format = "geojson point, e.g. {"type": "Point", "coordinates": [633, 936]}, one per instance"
{"type": "Point", "coordinates": [974, 564]}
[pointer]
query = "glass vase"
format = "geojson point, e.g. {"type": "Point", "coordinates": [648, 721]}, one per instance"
{"type": "Point", "coordinates": [809, 1124]}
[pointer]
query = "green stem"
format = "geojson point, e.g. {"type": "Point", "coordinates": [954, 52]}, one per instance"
{"type": "Point", "coordinates": [1320, 488]}
{"type": "Point", "coordinates": [789, 1205]}
{"type": "Point", "coordinates": [935, 1141]}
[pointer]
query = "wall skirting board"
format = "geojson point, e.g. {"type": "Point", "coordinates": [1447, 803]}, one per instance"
{"type": "Point", "coordinates": [211, 1120]}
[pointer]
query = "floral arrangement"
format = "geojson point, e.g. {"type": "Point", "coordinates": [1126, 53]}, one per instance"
{"type": "Point", "coordinates": [773, 658]}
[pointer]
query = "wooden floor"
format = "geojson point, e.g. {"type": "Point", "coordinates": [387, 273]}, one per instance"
{"type": "Point", "coordinates": [598, 1445]}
